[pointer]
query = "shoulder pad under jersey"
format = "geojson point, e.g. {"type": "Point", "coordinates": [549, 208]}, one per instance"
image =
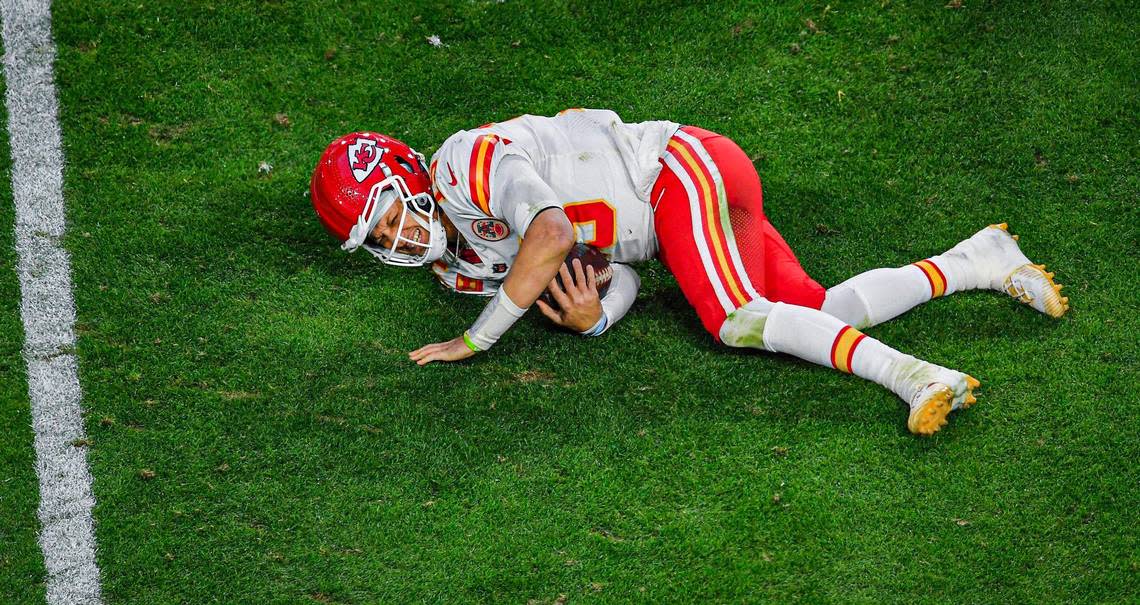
{"type": "Point", "coordinates": [463, 169]}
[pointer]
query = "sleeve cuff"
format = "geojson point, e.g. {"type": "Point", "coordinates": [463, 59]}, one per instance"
{"type": "Point", "coordinates": [603, 323]}
{"type": "Point", "coordinates": [539, 209]}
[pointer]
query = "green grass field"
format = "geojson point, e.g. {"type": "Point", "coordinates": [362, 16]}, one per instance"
{"type": "Point", "coordinates": [228, 346]}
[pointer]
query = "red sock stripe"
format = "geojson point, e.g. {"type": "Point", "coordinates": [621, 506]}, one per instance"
{"type": "Point", "coordinates": [851, 353]}
{"type": "Point", "coordinates": [835, 345]}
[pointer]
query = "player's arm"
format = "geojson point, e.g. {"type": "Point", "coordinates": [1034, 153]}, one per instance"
{"type": "Point", "coordinates": [548, 239]}
{"type": "Point", "coordinates": [547, 242]}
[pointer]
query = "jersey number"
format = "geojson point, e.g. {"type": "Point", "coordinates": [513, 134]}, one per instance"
{"type": "Point", "coordinates": [595, 222]}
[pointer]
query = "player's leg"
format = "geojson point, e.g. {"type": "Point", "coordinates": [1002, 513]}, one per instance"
{"type": "Point", "coordinates": [931, 391]}
{"type": "Point", "coordinates": [720, 282]}
{"type": "Point", "coordinates": [990, 259]}
{"type": "Point", "coordinates": [690, 220]}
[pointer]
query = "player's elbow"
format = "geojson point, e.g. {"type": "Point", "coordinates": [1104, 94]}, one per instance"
{"type": "Point", "coordinates": [554, 231]}
{"type": "Point", "coordinates": [562, 239]}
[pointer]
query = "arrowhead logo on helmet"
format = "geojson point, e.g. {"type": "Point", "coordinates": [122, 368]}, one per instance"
{"type": "Point", "coordinates": [363, 156]}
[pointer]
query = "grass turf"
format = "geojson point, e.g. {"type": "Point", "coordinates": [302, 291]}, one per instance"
{"type": "Point", "coordinates": [228, 348]}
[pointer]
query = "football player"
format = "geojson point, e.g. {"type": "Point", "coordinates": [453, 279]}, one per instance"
{"type": "Point", "coordinates": [497, 209]}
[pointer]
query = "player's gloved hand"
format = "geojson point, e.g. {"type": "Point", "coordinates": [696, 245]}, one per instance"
{"type": "Point", "coordinates": [452, 350]}
{"type": "Point", "coordinates": [579, 306]}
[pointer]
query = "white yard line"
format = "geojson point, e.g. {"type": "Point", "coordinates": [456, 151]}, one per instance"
{"type": "Point", "coordinates": [47, 308]}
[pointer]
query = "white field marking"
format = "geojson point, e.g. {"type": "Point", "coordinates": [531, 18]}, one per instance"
{"type": "Point", "coordinates": [46, 307]}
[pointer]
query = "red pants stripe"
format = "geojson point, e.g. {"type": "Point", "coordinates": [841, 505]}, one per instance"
{"type": "Point", "coordinates": [713, 235]}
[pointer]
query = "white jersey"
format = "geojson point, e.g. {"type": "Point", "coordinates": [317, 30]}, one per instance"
{"type": "Point", "coordinates": [493, 180]}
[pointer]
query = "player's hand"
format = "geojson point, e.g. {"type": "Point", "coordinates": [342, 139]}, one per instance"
{"type": "Point", "coordinates": [579, 306]}
{"type": "Point", "coordinates": [452, 350]}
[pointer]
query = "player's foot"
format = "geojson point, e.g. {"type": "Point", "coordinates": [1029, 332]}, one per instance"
{"type": "Point", "coordinates": [1034, 286]}
{"type": "Point", "coordinates": [995, 254]}
{"type": "Point", "coordinates": [935, 401]}
{"type": "Point", "coordinates": [941, 392]}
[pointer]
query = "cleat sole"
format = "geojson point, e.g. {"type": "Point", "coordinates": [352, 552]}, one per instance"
{"type": "Point", "coordinates": [1048, 299]}
{"type": "Point", "coordinates": [1033, 284]}
{"type": "Point", "coordinates": [929, 416]}
{"type": "Point", "coordinates": [967, 399]}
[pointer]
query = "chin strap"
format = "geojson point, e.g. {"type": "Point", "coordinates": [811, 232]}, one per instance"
{"type": "Point", "coordinates": [355, 239]}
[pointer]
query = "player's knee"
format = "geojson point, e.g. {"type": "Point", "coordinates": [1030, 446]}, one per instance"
{"type": "Point", "coordinates": [744, 327]}
{"type": "Point", "coordinates": [845, 303]}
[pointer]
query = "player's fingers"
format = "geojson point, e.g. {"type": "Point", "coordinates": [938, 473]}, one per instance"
{"type": "Point", "coordinates": [440, 351]}
{"type": "Point", "coordinates": [591, 279]}
{"type": "Point", "coordinates": [548, 311]}
{"type": "Point", "coordinates": [421, 352]}
{"type": "Point", "coordinates": [559, 295]}
{"type": "Point", "coordinates": [430, 358]}
{"type": "Point", "coordinates": [579, 275]}
{"type": "Point", "coordinates": [424, 350]}
{"type": "Point", "coordinates": [574, 290]}
{"type": "Point", "coordinates": [567, 278]}
{"type": "Point", "coordinates": [436, 355]}
{"type": "Point", "coordinates": [554, 286]}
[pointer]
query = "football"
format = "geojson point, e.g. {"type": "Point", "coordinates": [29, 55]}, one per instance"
{"type": "Point", "coordinates": [590, 257]}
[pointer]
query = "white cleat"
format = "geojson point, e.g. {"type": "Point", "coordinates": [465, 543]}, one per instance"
{"type": "Point", "coordinates": [933, 403]}
{"type": "Point", "coordinates": [933, 393]}
{"type": "Point", "coordinates": [1028, 282]}
{"type": "Point", "coordinates": [994, 251]}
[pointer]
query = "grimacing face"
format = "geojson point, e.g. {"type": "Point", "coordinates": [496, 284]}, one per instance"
{"type": "Point", "coordinates": [385, 232]}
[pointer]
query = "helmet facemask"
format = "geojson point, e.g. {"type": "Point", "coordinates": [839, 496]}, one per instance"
{"type": "Point", "coordinates": [419, 207]}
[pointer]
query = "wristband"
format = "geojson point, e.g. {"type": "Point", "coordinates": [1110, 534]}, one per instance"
{"type": "Point", "coordinates": [470, 345]}
{"type": "Point", "coordinates": [497, 317]}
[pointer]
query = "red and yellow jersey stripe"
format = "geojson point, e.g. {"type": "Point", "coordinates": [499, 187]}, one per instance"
{"type": "Point", "coordinates": [436, 193]}
{"type": "Point", "coordinates": [843, 348]}
{"type": "Point", "coordinates": [934, 275]}
{"type": "Point", "coordinates": [479, 173]}
{"type": "Point", "coordinates": [468, 284]}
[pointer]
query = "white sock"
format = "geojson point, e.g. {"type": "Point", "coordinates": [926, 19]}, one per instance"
{"type": "Point", "coordinates": [823, 339]}
{"type": "Point", "coordinates": [980, 262]}
{"type": "Point", "coordinates": [870, 298]}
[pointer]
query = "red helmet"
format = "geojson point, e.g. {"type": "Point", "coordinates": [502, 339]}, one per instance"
{"type": "Point", "coordinates": [358, 178]}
